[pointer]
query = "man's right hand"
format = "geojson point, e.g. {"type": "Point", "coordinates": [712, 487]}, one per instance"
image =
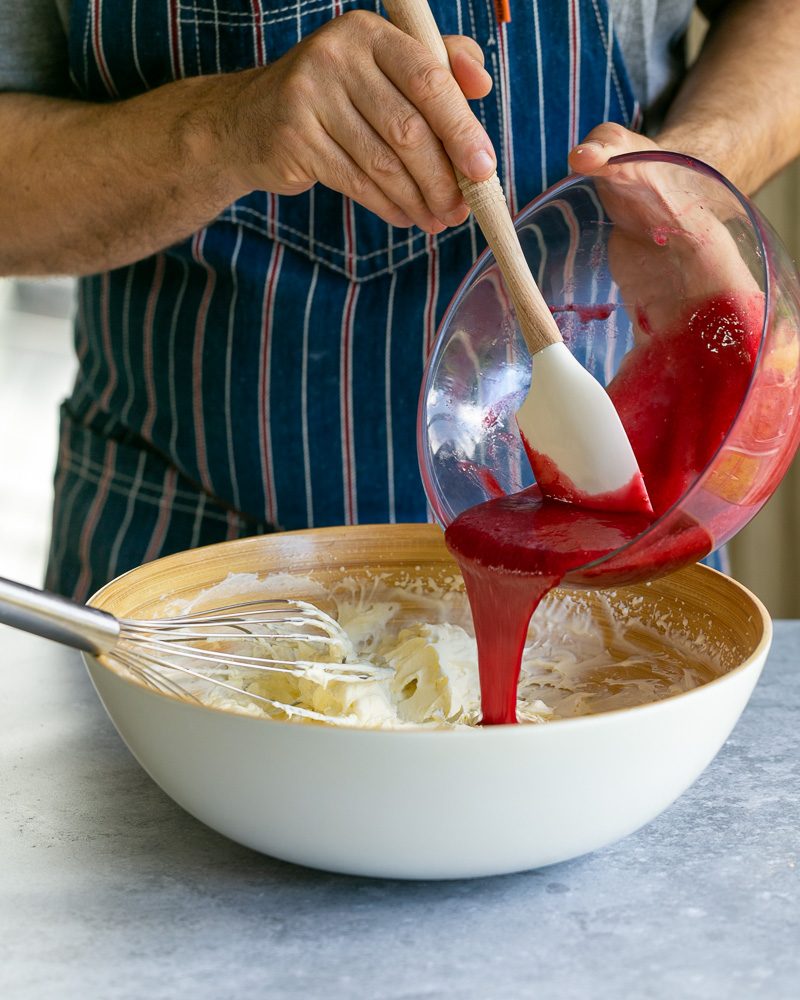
{"type": "Point", "coordinates": [365, 110]}
{"type": "Point", "coordinates": [357, 106]}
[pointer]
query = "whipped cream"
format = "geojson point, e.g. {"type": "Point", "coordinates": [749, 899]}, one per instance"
{"type": "Point", "coordinates": [583, 656]}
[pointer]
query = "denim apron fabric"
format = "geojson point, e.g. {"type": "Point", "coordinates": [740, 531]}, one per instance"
{"type": "Point", "coordinates": [264, 373]}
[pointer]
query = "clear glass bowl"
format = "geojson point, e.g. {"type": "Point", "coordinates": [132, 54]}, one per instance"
{"type": "Point", "coordinates": [659, 228]}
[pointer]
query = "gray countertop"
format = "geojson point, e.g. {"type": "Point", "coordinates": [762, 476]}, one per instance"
{"type": "Point", "coordinates": [109, 890]}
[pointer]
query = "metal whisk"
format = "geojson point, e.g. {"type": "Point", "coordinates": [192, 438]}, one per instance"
{"type": "Point", "coordinates": [166, 654]}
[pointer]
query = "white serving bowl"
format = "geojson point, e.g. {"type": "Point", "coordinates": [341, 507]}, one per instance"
{"type": "Point", "coordinates": [428, 804]}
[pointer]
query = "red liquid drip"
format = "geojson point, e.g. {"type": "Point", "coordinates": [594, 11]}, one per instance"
{"type": "Point", "coordinates": [677, 393]}
{"type": "Point", "coordinates": [512, 551]}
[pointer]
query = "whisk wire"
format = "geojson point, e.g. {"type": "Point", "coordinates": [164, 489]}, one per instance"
{"type": "Point", "coordinates": [160, 653]}
{"type": "Point", "coordinates": [224, 661]}
{"type": "Point", "coordinates": [160, 682]}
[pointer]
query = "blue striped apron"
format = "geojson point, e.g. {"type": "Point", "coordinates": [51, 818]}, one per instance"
{"type": "Point", "coordinates": [263, 374]}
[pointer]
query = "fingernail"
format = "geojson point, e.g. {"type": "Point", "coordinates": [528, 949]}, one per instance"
{"type": "Point", "coordinates": [480, 164]}
{"type": "Point", "coordinates": [588, 145]}
{"type": "Point", "coordinates": [436, 227]}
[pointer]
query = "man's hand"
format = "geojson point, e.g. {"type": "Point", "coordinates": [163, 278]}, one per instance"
{"type": "Point", "coordinates": [362, 108]}
{"type": "Point", "coordinates": [357, 105]}
{"type": "Point", "coordinates": [609, 139]}
{"type": "Point", "coordinates": [696, 314]}
{"type": "Point", "coordinates": [669, 248]}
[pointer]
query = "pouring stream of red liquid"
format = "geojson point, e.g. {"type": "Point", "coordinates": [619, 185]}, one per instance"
{"type": "Point", "coordinates": [677, 393]}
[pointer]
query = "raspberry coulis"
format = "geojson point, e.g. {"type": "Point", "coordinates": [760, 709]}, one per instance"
{"type": "Point", "coordinates": [677, 393]}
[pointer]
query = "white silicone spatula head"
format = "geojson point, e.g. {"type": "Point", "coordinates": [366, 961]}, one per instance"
{"type": "Point", "coordinates": [575, 441]}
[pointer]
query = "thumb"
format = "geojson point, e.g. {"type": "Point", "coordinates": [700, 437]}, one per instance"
{"type": "Point", "coordinates": [603, 142]}
{"type": "Point", "coordinates": [466, 63]}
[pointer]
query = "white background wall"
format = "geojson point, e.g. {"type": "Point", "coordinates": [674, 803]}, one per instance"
{"type": "Point", "coordinates": [36, 371]}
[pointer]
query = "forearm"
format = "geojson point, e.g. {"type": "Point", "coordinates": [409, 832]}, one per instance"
{"type": "Point", "coordinates": [89, 187]}
{"type": "Point", "coordinates": [739, 107]}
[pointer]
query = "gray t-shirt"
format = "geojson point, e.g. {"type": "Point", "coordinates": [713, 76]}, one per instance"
{"type": "Point", "coordinates": [33, 44]}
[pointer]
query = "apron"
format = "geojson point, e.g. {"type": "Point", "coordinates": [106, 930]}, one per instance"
{"type": "Point", "coordinates": [264, 373]}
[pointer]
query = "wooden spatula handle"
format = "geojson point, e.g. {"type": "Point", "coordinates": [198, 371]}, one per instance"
{"type": "Point", "coordinates": [486, 199]}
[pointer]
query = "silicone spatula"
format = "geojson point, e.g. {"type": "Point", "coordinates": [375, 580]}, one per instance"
{"type": "Point", "coordinates": [574, 438]}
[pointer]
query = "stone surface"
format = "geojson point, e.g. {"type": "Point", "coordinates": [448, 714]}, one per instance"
{"type": "Point", "coordinates": [109, 890]}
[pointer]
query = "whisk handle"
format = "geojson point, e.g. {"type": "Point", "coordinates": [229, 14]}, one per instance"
{"type": "Point", "coordinates": [57, 618]}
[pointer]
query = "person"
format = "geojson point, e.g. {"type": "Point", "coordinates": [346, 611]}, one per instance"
{"type": "Point", "coordinates": [260, 204]}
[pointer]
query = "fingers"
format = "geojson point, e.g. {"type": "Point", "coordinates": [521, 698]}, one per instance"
{"type": "Point", "coordinates": [412, 159]}
{"type": "Point", "coordinates": [465, 44]}
{"type": "Point", "coordinates": [466, 63]}
{"type": "Point", "coordinates": [609, 139]}
{"type": "Point", "coordinates": [368, 111]}
{"type": "Point", "coordinates": [378, 160]}
{"type": "Point", "coordinates": [436, 96]}
{"type": "Point", "coordinates": [341, 173]}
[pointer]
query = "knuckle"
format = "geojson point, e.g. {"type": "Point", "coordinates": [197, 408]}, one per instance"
{"type": "Point", "coordinates": [430, 82]}
{"type": "Point", "coordinates": [407, 130]}
{"type": "Point", "coordinates": [290, 173]}
{"type": "Point", "coordinates": [447, 195]}
{"type": "Point", "coordinates": [356, 182]}
{"type": "Point", "coordinates": [302, 90]}
{"type": "Point", "coordinates": [466, 133]}
{"type": "Point", "coordinates": [362, 21]}
{"type": "Point", "coordinates": [398, 216]}
{"type": "Point", "coordinates": [384, 164]}
{"type": "Point", "coordinates": [332, 45]}
{"type": "Point", "coordinates": [608, 132]}
{"type": "Point", "coordinates": [443, 197]}
{"type": "Point", "coordinates": [466, 44]}
{"type": "Point", "coordinates": [325, 49]}
{"type": "Point", "coordinates": [291, 176]}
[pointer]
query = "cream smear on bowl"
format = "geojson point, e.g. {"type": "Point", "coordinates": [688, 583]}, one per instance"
{"type": "Point", "coordinates": [584, 654]}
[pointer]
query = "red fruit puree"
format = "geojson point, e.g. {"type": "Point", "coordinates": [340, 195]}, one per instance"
{"type": "Point", "coordinates": [677, 393]}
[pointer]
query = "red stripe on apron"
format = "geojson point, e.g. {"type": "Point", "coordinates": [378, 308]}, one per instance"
{"type": "Point", "coordinates": [97, 45]}
{"type": "Point", "coordinates": [164, 515]}
{"type": "Point", "coordinates": [431, 295]}
{"type": "Point", "coordinates": [149, 317]}
{"type": "Point", "coordinates": [259, 31]}
{"type": "Point", "coordinates": [176, 56]}
{"type": "Point", "coordinates": [233, 526]}
{"type": "Point", "coordinates": [92, 519]}
{"type": "Point", "coordinates": [197, 364]}
{"type": "Point", "coordinates": [349, 226]}
{"type": "Point", "coordinates": [346, 404]}
{"type": "Point", "coordinates": [264, 369]}
{"type": "Point", "coordinates": [105, 397]}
